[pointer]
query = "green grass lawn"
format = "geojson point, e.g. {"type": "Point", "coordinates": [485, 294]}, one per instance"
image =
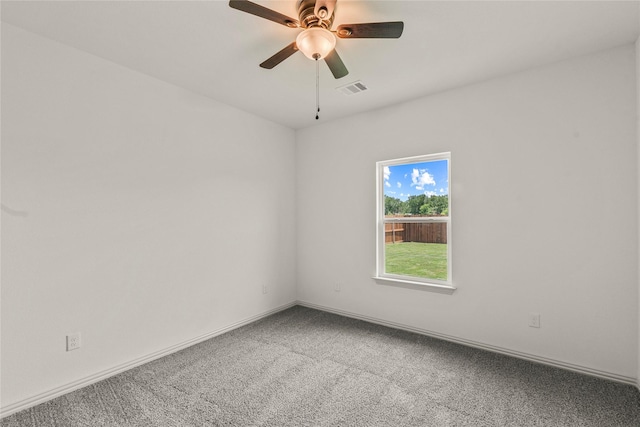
{"type": "Point", "coordinates": [426, 260]}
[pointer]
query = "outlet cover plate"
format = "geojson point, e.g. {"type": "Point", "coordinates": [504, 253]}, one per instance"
{"type": "Point", "coordinates": [74, 341]}
{"type": "Point", "coordinates": [534, 320]}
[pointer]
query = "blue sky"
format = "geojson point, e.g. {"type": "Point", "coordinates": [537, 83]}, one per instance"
{"type": "Point", "coordinates": [430, 178]}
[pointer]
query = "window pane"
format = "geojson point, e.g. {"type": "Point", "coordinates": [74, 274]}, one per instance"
{"type": "Point", "coordinates": [417, 189]}
{"type": "Point", "coordinates": [416, 249]}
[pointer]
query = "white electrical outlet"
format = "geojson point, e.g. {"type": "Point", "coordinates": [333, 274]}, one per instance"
{"type": "Point", "coordinates": [265, 289]}
{"type": "Point", "coordinates": [534, 320]}
{"type": "Point", "coordinates": [73, 341]}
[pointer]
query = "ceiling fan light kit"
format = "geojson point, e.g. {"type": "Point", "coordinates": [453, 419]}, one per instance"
{"type": "Point", "coordinates": [317, 41]}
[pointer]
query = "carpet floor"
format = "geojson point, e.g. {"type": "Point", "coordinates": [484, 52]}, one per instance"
{"type": "Point", "coordinates": [304, 367]}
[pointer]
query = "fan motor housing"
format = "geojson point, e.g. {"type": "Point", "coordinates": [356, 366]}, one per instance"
{"type": "Point", "coordinates": [307, 16]}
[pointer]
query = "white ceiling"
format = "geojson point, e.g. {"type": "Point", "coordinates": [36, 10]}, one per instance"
{"type": "Point", "coordinates": [211, 49]}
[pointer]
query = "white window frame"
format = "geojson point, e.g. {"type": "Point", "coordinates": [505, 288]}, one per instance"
{"type": "Point", "coordinates": [445, 286]}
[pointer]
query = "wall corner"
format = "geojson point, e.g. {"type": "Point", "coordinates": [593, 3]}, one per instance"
{"type": "Point", "coordinates": [637, 55]}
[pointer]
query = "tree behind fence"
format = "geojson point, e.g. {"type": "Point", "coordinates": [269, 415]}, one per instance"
{"type": "Point", "coordinates": [431, 232]}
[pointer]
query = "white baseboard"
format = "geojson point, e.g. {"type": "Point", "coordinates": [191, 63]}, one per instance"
{"type": "Point", "coordinates": [513, 353]}
{"type": "Point", "coordinates": [99, 376]}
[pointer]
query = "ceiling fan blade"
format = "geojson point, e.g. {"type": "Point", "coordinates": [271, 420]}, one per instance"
{"type": "Point", "coordinates": [280, 56]}
{"type": "Point", "coordinates": [336, 65]}
{"type": "Point", "coordinates": [372, 30]}
{"type": "Point", "coordinates": [263, 12]}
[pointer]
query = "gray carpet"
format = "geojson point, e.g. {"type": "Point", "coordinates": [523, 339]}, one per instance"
{"type": "Point", "coordinates": [304, 367]}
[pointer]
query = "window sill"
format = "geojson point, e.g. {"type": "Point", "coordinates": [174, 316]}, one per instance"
{"type": "Point", "coordinates": [409, 284]}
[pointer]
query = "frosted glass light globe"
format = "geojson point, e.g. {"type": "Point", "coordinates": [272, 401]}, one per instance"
{"type": "Point", "coordinates": [316, 42]}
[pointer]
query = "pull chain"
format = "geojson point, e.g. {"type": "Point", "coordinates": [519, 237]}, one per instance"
{"type": "Point", "coordinates": [317, 87]}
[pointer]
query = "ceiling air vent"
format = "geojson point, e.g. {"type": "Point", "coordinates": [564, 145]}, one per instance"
{"type": "Point", "coordinates": [352, 88]}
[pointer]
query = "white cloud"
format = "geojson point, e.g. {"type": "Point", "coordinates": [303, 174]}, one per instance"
{"type": "Point", "coordinates": [430, 193]}
{"type": "Point", "coordinates": [387, 174]}
{"type": "Point", "coordinates": [442, 190]}
{"type": "Point", "coordinates": [399, 184]}
{"type": "Point", "coordinates": [420, 178]}
{"type": "Point", "coordinates": [415, 175]}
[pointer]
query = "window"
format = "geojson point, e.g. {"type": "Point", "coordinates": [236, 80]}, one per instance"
{"type": "Point", "coordinates": [414, 226]}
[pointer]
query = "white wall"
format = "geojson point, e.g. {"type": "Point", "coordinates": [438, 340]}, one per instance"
{"type": "Point", "coordinates": [134, 212]}
{"type": "Point", "coordinates": [544, 212]}
{"type": "Point", "coordinates": [638, 137]}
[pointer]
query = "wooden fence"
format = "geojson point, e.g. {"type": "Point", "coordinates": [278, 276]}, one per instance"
{"type": "Point", "coordinates": [429, 232]}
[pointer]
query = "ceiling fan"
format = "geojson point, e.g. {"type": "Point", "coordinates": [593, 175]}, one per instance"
{"type": "Point", "coordinates": [317, 40]}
